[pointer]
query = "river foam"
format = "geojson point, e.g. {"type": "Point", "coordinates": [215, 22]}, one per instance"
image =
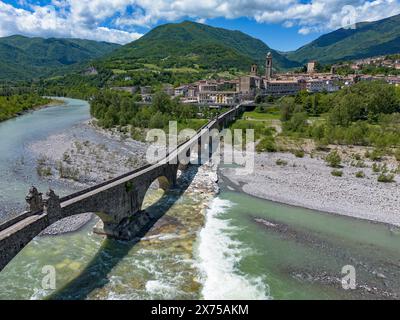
{"type": "Point", "coordinates": [218, 256]}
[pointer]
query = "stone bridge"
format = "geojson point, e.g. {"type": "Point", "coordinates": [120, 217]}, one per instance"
{"type": "Point", "coordinates": [117, 202]}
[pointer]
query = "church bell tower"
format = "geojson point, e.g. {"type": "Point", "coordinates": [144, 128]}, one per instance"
{"type": "Point", "coordinates": [268, 66]}
{"type": "Point", "coordinates": [253, 70]}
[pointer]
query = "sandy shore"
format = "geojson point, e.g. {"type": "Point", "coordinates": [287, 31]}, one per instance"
{"type": "Point", "coordinates": [308, 182]}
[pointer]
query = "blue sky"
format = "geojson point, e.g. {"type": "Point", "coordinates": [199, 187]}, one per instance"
{"type": "Point", "coordinates": [282, 24]}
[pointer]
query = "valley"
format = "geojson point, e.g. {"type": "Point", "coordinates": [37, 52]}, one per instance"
{"type": "Point", "coordinates": [322, 193]}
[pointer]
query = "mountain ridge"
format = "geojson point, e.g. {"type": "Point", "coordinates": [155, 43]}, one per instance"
{"type": "Point", "coordinates": [368, 39]}
{"type": "Point", "coordinates": [24, 57]}
{"type": "Point", "coordinates": [189, 43]}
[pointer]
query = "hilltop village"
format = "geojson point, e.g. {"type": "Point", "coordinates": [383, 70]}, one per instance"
{"type": "Point", "coordinates": [247, 87]}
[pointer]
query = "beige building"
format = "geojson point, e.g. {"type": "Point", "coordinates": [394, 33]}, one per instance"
{"type": "Point", "coordinates": [217, 97]}
{"type": "Point", "coordinates": [283, 87]}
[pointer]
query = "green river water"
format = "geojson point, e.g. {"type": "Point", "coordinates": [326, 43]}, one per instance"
{"type": "Point", "coordinates": [243, 248]}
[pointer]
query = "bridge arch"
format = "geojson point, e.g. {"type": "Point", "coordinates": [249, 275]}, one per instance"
{"type": "Point", "coordinates": [152, 194]}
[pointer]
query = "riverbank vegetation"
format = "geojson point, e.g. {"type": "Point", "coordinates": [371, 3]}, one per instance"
{"type": "Point", "coordinates": [366, 114]}
{"type": "Point", "coordinates": [356, 125]}
{"type": "Point", "coordinates": [11, 106]}
{"type": "Point", "coordinates": [120, 109]}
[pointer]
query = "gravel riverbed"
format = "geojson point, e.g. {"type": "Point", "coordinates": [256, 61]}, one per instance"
{"type": "Point", "coordinates": [308, 182]}
{"type": "Point", "coordinates": [83, 157]}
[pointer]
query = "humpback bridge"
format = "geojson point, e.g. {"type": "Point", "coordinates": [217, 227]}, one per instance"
{"type": "Point", "coordinates": [117, 202]}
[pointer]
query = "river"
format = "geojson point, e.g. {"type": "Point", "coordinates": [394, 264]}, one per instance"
{"type": "Point", "coordinates": [17, 163]}
{"type": "Point", "coordinates": [248, 248]}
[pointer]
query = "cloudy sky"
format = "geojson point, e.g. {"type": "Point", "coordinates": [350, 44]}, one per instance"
{"type": "Point", "coordinates": [282, 24]}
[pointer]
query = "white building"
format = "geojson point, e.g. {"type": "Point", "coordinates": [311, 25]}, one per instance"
{"type": "Point", "coordinates": [321, 85]}
{"type": "Point", "coordinates": [181, 91]}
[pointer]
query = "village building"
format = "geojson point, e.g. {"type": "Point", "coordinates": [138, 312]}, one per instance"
{"type": "Point", "coordinates": [247, 87]}
{"type": "Point", "coordinates": [283, 87]}
{"type": "Point", "coordinates": [321, 85]}
{"type": "Point", "coordinates": [181, 91]}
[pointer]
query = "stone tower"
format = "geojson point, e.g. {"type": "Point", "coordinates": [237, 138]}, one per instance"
{"type": "Point", "coordinates": [268, 66]}
{"type": "Point", "coordinates": [253, 70]}
{"type": "Point", "coordinates": [311, 66]}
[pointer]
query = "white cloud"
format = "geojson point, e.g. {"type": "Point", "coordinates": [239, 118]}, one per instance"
{"type": "Point", "coordinates": [304, 30]}
{"type": "Point", "coordinates": [201, 20]}
{"type": "Point", "coordinates": [64, 20]}
{"type": "Point", "coordinates": [117, 20]}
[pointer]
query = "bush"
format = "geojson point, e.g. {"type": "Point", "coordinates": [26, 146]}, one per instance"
{"type": "Point", "coordinates": [299, 153]}
{"type": "Point", "coordinates": [66, 172]}
{"type": "Point", "coordinates": [337, 173]}
{"type": "Point", "coordinates": [376, 155]}
{"type": "Point", "coordinates": [333, 159]}
{"type": "Point", "coordinates": [43, 171]}
{"type": "Point", "coordinates": [379, 168]}
{"type": "Point", "coordinates": [298, 123]}
{"type": "Point", "coordinates": [266, 144]}
{"type": "Point", "coordinates": [281, 162]}
{"type": "Point", "coordinates": [360, 174]}
{"type": "Point", "coordinates": [358, 164]}
{"type": "Point", "coordinates": [397, 154]}
{"type": "Point", "coordinates": [386, 178]}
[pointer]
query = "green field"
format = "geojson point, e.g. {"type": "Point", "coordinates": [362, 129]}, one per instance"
{"type": "Point", "coordinates": [195, 124]}
{"type": "Point", "coordinates": [254, 115]}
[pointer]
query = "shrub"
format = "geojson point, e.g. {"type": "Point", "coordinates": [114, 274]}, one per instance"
{"type": "Point", "coordinates": [281, 162]}
{"type": "Point", "coordinates": [299, 153]}
{"type": "Point", "coordinates": [358, 164]}
{"type": "Point", "coordinates": [333, 159]}
{"type": "Point", "coordinates": [66, 172]}
{"type": "Point", "coordinates": [397, 154]}
{"type": "Point", "coordinates": [66, 157]}
{"type": "Point", "coordinates": [360, 174]}
{"type": "Point", "coordinates": [337, 173]}
{"type": "Point", "coordinates": [42, 160]}
{"type": "Point", "coordinates": [266, 144]}
{"type": "Point", "coordinates": [386, 178]}
{"type": "Point", "coordinates": [379, 168]}
{"type": "Point", "coordinates": [376, 155]}
{"type": "Point", "coordinates": [43, 171]}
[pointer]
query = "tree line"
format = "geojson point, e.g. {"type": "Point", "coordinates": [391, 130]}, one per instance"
{"type": "Point", "coordinates": [114, 108]}
{"type": "Point", "coordinates": [11, 105]}
{"type": "Point", "coordinates": [367, 113]}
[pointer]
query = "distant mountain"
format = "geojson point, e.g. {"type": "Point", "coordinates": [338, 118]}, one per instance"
{"type": "Point", "coordinates": [26, 58]}
{"type": "Point", "coordinates": [190, 44]}
{"type": "Point", "coordinates": [366, 40]}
